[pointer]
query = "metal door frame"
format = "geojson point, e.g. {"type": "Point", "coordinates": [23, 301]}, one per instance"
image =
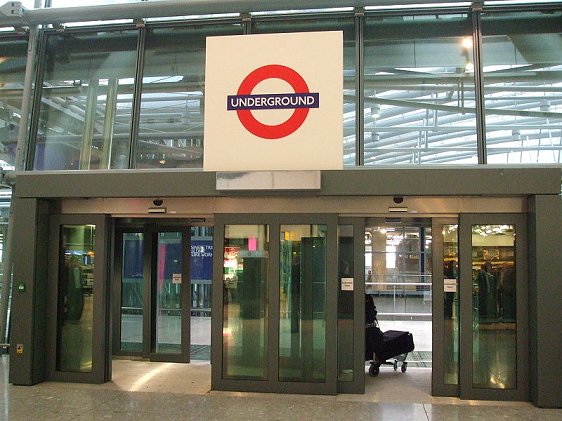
{"type": "Point", "coordinates": [467, 391]}
{"type": "Point", "coordinates": [273, 384]}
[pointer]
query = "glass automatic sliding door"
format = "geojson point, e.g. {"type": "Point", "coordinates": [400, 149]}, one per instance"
{"type": "Point", "coordinates": [446, 327]}
{"type": "Point", "coordinates": [494, 343]}
{"type": "Point", "coordinates": [132, 292]}
{"type": "Point", "coordinates": [168, 292]}
{"type": "Point", "coordinates": [302, 297]}
{"type": "Point", "coordinates": [201, 275]}
{"type": "Point", "coordinates": [78, 348]}
{"type": "Point", "coordinates": [245, 290]}
{"type": "Point", "coordinates": [151, 300]}
{"type": "Point", "coordinates": [275, 280]}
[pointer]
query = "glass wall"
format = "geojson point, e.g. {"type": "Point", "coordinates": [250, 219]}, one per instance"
{"type": "Point", "coordinates": [419, 90]}
{"type": "Point", "coordinates": [170, 133]}
{"type": "Point", "coordinates": [317, 23]}
{"type": "Point", "coordinates": [86, 101]}
{"type": "Point", "coordinates": [245, 276]}
{"type": "Point", "coordinates": [494, 322]}
{"type": "Point", "coordinates": [417, 97]}
{"type": "Point", "coordinates": [302, 295]}
{"type": "Point", "coordinates": [76, 297]}
{"type": "Point", "coordinates": [13, 52]}
{"type": "Point", "coordinates": [522, 55]}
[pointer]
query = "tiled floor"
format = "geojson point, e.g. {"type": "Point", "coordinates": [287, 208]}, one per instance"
{"type": "Point", "coordinates": [165, 391]}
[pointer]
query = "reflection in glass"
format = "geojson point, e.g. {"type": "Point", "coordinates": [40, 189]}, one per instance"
{"type": "Point", "coordinates": [419, 90]}
{"type": "Point", "coordinates": [523, 99]}
{"type": "Point", "coordinates": [132, 292]}
{"type": "Point", "coordinates": [12, 73]}
{"type": "Point", "coordinates": [245, 277]}
{"type": "Point", "coordinates": [201, 274]}
{"type": "Point", "coordinates": [331, 23]}
{"type": "Point", "coordinates": [168, 292]}
{"type": "Point", "coordinates": [302, 295]}
{"type": "Point", "coordinates": [494, 313]}
{"type": "Point", "coordinates": [85, 110]}
{"type": "Point", "coordinates": [345, 303]}
{"type": "Point", "coordinates": [451, 303]}
{"type": "Point", "coordinates": [75, 298]}
{"type": "Point", "coordinates": [172, 103]}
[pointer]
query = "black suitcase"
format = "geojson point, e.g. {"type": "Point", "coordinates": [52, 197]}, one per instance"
{"type": "Point", "coordinates": [395, 342]}
{"type": "Point", "coordinates": [373, 341]}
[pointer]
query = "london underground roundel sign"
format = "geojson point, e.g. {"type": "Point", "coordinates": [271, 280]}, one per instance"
{"type": "Point", "coordinates": [302, 100]}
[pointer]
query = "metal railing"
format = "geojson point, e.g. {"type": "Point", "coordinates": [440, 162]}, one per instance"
{"type": "Point", "coordinates": [407, 298]}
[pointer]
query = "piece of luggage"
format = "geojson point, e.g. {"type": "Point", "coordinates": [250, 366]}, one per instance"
{"type": "Point", "coordinates": [379, 346]}
{"type": "Point", "coordinates": [395, 342]}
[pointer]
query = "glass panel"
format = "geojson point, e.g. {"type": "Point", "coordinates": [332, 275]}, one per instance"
{"type": "Point", "coordinates": [522, 86]}
{"type": "Point", "coordinates": [172, 103]}
{"type": "Point", "coordinates": [85, 110]}
{"type": "Point", "coordinates": [246, 265]}
{"type": "Point", "coordinates": [419, 90]}
{"type": "Point", "coordinates": [75, 298]}
{"type": "Point", "coordinates": [12, 73]}
{"type": "Point", "coordinates": [398, 275]}
{"type": "Point", "coordinates": [346, 274]}
{"type": "Point", "coordinates": [398, 269]}
{"type": "Point", "coordinates": [168, 292]}
{"type": "Point", "coordinates": [493, 302]}
{"type": "Point", "coordinates": [302, 295]}
{"type": "Point", "coordinates": [314, 23]}
{"type": "Point", "coordinates": [451, 303]}
{"type": "Point", "coordinates": [132, 292]}
{"type": "Point", "coordinates": [201, 274]}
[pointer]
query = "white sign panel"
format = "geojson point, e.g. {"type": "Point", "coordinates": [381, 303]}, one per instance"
{"type": "Point", "coordinates": [274, 102]}
{"type": "Point", "coordinates": [176, 278]}
{"type": "Point", "coordinates": [347, 284]}
{"type": "Point", "coordinates": [450, 285]}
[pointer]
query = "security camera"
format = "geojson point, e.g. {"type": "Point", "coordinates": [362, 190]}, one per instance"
{"type": "Point", "coordinates": [398, 199]}
{"type": "Point", "coordinates": [157, 202]}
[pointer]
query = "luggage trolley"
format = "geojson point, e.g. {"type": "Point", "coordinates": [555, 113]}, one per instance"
{"type": "Point", "coordinates": [381, 347]}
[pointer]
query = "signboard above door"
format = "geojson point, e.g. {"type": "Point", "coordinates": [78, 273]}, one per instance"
{"type": "Point", "coordinates": [274, 102]}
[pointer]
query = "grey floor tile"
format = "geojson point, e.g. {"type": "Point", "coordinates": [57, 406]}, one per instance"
{"type": "Point", "coordinates": [182, 392]}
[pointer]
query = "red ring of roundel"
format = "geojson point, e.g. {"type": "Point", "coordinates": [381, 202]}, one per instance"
{"type": "Point", "coordinates": [273, 71]}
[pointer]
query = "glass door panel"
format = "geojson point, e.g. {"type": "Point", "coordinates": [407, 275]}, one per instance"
{"type": "Point", "coordinates": [345, 302]}
{"type": "Point", "coordinates": [494, 321]}
{"type": "Point", "coordinates": [245, 290]}
{"type": "Point", "coordinates": [450, 304]}
{"type": "Point", "coordinates": [76, 298]}
{"type": "Point", "coordinates": [201, 274]}
{"type": "Point", "coordinates": [132, 292]}
{"type": "Point", "coordinates": [494, 344]}
{"type": "Point", "coordinates": [169, 274]}
{"type": "Point", "coordinates": [302, 316]}
{"type": "Point", "coordinates": [274, 279]}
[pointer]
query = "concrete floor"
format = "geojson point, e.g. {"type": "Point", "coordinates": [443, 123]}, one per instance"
{"type": "Point", "coordinates": [159, 391]}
